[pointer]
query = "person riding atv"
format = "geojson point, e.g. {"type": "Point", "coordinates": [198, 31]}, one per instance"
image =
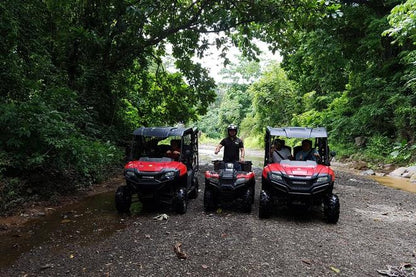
{"type": "Point", "coordinates": [232, 180]}
{"type": "Point", "coordinates": [233, 147]}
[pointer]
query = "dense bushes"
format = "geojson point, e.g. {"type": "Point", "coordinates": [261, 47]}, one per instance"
{"type": "Point", "coordinates": [44, 152]}
{"type": "Point", "coordinates": [77, 78]}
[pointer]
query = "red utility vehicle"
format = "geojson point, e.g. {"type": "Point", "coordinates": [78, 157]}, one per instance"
{"type": "Point", "coordinates": [162, 169]}
{"type": "Point", "coordinates": [227, 186]}
{"type": "Point", "coordinates": [291, 182]}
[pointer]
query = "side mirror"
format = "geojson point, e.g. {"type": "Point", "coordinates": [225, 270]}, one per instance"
{"type": "Point", "coordinates": [332, 154]}
{"type": "Point", "coordinates": [188, 153]}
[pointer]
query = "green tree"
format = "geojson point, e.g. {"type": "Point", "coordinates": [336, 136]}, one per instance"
{"type": "Point", "coordinates": [274, 99]}
{"type": "Point", "coordinates": [403, 29]}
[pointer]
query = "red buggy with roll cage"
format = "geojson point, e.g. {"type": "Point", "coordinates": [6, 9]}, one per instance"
{"type": "Point", "coordinates": [292, 182]}
{"type": "Point", "coordinates": [155, 175]}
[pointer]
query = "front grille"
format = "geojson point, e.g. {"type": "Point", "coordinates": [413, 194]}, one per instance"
{"type": "Point", "coordinates": [149, 178]}
{"type": "Point", "coordinates": [146, 177]}
{"type": "Point", "coordinates": [301, 184]}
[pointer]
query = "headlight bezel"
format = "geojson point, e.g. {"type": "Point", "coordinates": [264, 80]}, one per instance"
{"type": "Point", "coordinates": [130, 172]}
{"type": "Point", "coordinates": [169, 175]}
{"type": "Point", "coordinates": [276, 176]}
{"type": "Point", "coordinates": [322, 179]}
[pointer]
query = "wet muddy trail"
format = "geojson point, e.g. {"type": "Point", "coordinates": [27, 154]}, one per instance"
{"type": "Point", "coordinates": [373, 218]}
{"type": "Point", "coordinates": [86, 222]}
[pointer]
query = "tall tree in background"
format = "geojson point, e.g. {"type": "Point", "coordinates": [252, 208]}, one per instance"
{"type": "Point", "coordinates": [274, 101]}
{"type": "Point", "coordinates": [233, 102]}
{"type": "Point", "coordinates": [350, 77]}
{"type": "Point", "coordinates": [403, 30]}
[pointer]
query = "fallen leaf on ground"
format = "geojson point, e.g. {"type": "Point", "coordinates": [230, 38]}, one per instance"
{"type": "Point", "coordinates": [334, 269]}
{"type": "Point", "coordinates": [179, 253]}
{"type": "Point", "coordinates": [147, 236]}
{"type": "Point", "coordinates": [307, 261]}
{"type": "Point", "coordinates": [161, 217]}
{"type": "Point", "coordinates": [204, 266]}
{"type": "Point", "coordinates": [65, 221]}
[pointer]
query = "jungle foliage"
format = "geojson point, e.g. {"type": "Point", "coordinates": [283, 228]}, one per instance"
{"type": "Point", "coordinates": [351, 69]}
{"type": "Point", "coordinates": [78, 76]}
{"type": "Point", "coordinates": [354, 70]}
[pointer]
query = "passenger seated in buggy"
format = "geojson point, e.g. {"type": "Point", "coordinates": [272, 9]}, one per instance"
{"type": "Point", "coordinates": [175, 151]}
{"type": "Point", "coordinates": [279, 151]}
{"type": "Point", "coordinates": [307, 152]}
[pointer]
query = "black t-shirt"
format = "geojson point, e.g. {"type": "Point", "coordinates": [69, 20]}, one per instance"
{"type": "Point", "coordinates": [231, 149]}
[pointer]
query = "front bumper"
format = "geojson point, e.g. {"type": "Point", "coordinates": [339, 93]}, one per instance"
{"type": "Point", "coordinates": [154, 186]}
{"type": "Point", "coordinates": [228, 190]}
{"type": "Point", "coordinates": [296, 186]}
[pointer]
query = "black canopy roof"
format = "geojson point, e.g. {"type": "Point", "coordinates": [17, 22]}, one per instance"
{"type": "Point", "coordinates": [162, 132]}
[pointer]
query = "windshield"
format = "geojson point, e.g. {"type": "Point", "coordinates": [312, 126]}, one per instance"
{"type": "Point", "coordinates": [279, 149]}
{"type": "Point", "coordinates": [173, 147]}
{"type": "Point", "coordinates": [155, 147]}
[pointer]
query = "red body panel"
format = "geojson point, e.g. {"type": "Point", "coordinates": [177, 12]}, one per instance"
{"type": "Point", "coordinates": [156, 166]}
{"type": "Point", "coordinates": [303, 171]}
{"type": "Point", "coordinates": [247, 175]}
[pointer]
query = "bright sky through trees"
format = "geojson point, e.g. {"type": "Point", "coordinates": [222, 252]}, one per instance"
{"type": "Point", "coordinates": [215, 64]}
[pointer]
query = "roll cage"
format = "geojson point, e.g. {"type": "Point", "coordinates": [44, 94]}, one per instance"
{"type": "Point", "coordinates": [318, 136]}
{"type": "Point", "coordinates": [153, 142]}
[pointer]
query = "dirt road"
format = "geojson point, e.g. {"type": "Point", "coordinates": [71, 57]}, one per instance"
{"type": "Point", "coordinates": [377, 228]}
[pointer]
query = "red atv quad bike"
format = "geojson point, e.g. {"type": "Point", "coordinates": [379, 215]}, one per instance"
{"type": "Point", "coordinates": [226, 186]}
{"type": "Point", "coordinates": [157, 174]}
{"type": "Point", "coordinates": [299, 183]}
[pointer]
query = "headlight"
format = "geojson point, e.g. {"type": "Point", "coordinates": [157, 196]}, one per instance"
{"type": "Point", "coordinates": [170, 175]}
{"type": "Point", "coordinates": [323, 179]}
{"type": "Point", "coordinates": [129, 173]}
{"type": "Point", "coordinates": [276, 177]}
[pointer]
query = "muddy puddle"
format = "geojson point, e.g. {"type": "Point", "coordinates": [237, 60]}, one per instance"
{"type": "Point", "coordinates": [88, 221]}
{"type": "Point", "coordinates": [397, 183]}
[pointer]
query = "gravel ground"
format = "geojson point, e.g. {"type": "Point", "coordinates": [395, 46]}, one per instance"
{"type": "Point", "coordinates": [377, 228]}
